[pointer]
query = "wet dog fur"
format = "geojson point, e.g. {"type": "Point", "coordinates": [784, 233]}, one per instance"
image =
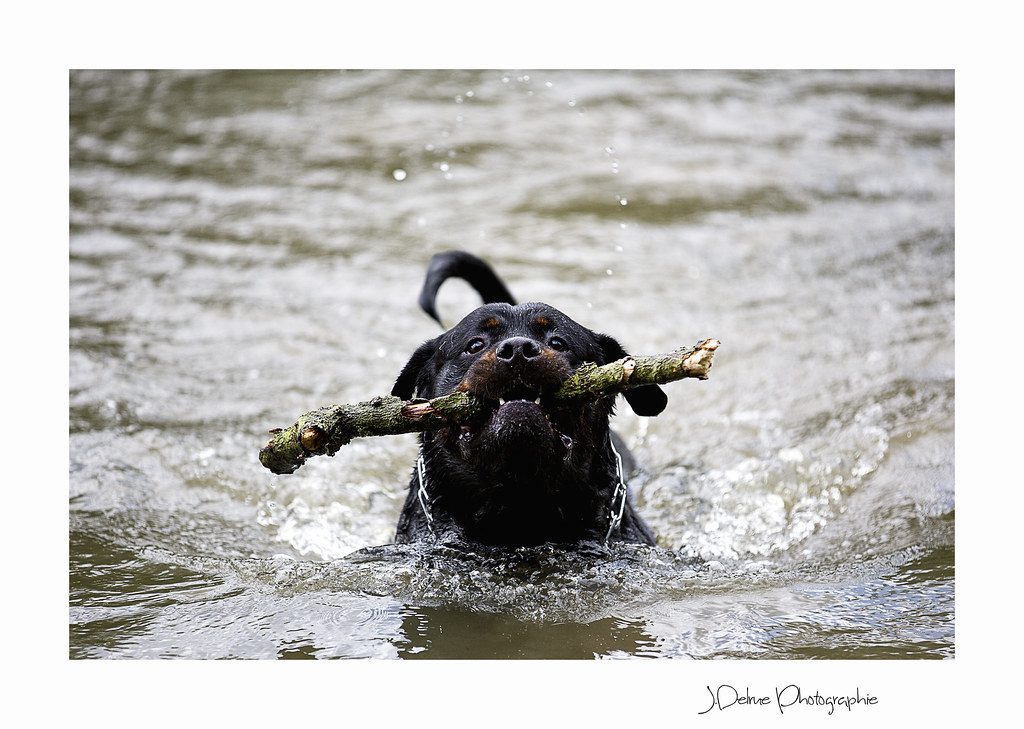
{"type": "Point", "coordinates": [529, 472]}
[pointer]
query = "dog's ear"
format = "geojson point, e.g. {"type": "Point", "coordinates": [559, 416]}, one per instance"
{"type": "Point", "coordinates": [646, 400]}
{"type": "Point", "coordinates": [409, 378]}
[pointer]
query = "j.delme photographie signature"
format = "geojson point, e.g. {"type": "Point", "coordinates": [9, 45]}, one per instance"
{"type": "Point", "coordinates": [787, 697]}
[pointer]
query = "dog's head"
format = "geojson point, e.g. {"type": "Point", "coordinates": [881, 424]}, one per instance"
{"type": "Point", "coordinates": [514, 358]}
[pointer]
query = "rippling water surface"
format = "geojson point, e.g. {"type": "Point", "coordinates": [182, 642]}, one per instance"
{"type": "Point", "coordinates": [245, 247]}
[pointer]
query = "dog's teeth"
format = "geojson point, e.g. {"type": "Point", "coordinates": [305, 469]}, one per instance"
{"type": "Point", "coordinates": [537, 401]}
{"type": "Point", "coordinates": [501, 401]}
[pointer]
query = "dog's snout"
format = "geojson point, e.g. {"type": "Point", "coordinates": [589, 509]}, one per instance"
{"type": "Point", "coordinates": [517, 350]}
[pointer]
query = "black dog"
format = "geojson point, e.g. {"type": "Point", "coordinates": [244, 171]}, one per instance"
{"type": "Point", "coordinates": [528, 473]}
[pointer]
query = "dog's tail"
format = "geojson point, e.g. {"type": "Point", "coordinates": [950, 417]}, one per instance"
{"type": "Point", "coordinates": [459, 264]}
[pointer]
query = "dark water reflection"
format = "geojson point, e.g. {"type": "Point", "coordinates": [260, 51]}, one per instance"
{"type": "Point", "coordinates": [434, 633]}
{"type": "Point", "coordinates": [247, 246]}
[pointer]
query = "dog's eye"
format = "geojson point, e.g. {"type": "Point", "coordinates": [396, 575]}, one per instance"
{"type": "Point", "coordinates": [556, 343]}
{"type": "Point", "coordinates": [474, 346]}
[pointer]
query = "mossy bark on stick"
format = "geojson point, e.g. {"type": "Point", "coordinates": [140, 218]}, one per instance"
{"type": "Point", "coordinates": [324, 430]}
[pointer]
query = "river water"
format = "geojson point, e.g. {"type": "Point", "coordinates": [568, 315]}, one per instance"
{"type": "Point", "coordinates": [248, 246]}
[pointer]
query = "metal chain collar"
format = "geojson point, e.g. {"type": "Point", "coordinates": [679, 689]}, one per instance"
{"type": "Point", "coordinates": [421, 494]}
{"type": "Point", "coordinates": [614, 515]}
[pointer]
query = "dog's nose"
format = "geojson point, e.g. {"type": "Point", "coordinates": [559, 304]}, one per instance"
{"type": "Point", "coordinates": [517, 350]}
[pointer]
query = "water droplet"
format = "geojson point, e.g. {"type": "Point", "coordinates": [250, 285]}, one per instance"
{"type": "Point", "coordinates": [791, 455]}
{"type": "Point", "coordinates": [623, 201]}
{"type": "Point", "coordinates": [609, 150]}
{"type": "Point", "coordinates": [608, 271]}
{"type": "Point", "coordinates": [399, 174]}
{"type": "Point", "coordinates": [572, 101]}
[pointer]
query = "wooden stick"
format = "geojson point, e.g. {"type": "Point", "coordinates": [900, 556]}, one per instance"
{"type": "Point", "coordinates": [324, 430]}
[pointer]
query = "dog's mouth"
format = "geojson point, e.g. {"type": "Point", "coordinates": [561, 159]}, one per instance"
{"type": "Point", "coordinates": [521, 415]}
